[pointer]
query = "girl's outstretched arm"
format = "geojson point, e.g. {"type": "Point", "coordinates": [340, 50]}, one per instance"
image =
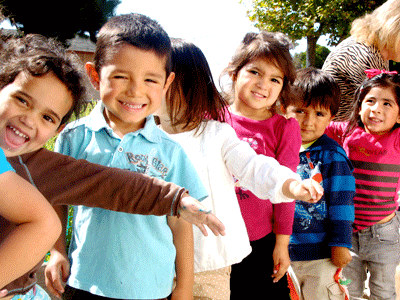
{"type": "Point", "coordinates": [114, 189]}
{"type": "Point", "coordinates": [37, 227]}
{"type": "Point", "coordinates": [307, 190]}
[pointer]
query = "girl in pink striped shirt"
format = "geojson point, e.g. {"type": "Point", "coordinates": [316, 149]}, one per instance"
{"type": "Point", "coordinates": [371, 140]}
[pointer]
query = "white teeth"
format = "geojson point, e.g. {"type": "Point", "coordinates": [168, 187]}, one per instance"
{"type": "Point", "coordinates": [259, 95]}
{"type": "Point", "coordinates": [19, 133]}
{"type": "Point", "coordinates": [136, 106]}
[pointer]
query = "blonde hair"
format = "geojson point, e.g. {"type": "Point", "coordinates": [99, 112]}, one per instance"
{"type": "Point", "coordinates": [381, 28]}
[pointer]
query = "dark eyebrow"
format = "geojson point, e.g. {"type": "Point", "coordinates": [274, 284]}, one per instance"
{"type": "Point", "coordinates": [123, 71]}
{"type": "Point", "coordinates": [51, 112]}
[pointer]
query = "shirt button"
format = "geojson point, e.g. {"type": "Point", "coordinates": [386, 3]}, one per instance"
{"type": "Point", "coordinates": [120, 149]}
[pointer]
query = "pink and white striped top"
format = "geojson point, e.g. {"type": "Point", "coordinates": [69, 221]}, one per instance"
{"type": "Point", "coordinates": [376, 162]}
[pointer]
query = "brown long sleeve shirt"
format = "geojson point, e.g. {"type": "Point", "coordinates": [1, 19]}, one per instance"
{"type": "Point", "coordinates": [64, 180]}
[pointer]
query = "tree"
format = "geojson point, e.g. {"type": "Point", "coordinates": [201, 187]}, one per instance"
{"type": "Point", "coordinates": [57, 19]}
{"type": "Point", "coordinates": [321, 52]}
{"type": "Point", "coordinates": [310, 19]}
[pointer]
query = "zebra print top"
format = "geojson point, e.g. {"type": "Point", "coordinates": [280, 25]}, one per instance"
{"type": "Point", "coordinates": [347, 63]}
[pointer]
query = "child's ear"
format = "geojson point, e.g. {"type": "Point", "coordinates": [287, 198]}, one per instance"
{"type": "Point", "coordinates": [168, 82]}
{"type": "Point", "coordinates": [93, 75]}
{"type": "Point", "coordinates": [398, 119]}
{"type": "Point", "coordinates": [232, 75]}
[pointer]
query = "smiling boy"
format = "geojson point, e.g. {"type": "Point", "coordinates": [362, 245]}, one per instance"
{"type": "Point", "coordinates": [40, 88]}
{"type": "Point", "coordinates": [139, 255]}
{"type": "Point", "coordinates": [322, 232]}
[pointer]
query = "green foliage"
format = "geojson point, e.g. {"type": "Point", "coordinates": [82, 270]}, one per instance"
{"type": "Point", "coordinates": [320, 55]}
{"type": "Point", "coordinates": [310, 18]}
{"type": "Point", "coordinates": [61, 21]}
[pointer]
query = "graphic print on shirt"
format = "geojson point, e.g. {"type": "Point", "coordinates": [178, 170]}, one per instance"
{"type": "Point", "coordinates": [307, 212]}
{"type": "Point", "coordinates": [148, 164]}
{"type": "Point", "coordinates": [241, 191]}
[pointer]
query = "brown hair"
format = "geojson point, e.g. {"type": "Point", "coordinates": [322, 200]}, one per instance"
{"type": "Point", "coordinates": [391, 81]}
{"type": "Point", "coordinates": [38, 55]}
{"type": "Point", "coordinates": [272, 46]}
{"type": "Point", "coordinates": [194, 87]}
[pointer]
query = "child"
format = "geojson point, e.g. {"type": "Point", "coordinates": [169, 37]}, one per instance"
{"type": "Point", "coordinates": [216, 153]}
{"type": "Point", "coordinates": [322, 231]}
{"type": "Point", "coordinates": [371, 140]}
{"type": "Point", "coordinates": [29, 67]}
{"type": "Point", "coordinates": [132, 71]}
{"type": "Point", "coordinates": [262, 71]}
{"type": "Point", "coordinates": [36, 225]}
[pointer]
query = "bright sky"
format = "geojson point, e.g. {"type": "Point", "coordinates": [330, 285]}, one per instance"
{"type": "Point", "coordinates": [215, 26]}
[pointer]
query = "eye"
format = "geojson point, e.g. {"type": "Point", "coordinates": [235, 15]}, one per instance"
{"type": "Point", "coordinates": [320, 114]}
{"type": "Point", "coordinates": [276, 80]}
{"type": "Point", "coordinates": [119, 76]}
{"type": "Point", "coordinates": [21, 100]}
{"type": "Point", "coordinates": [48, 118]}
{"type": "Point", "coordinates": [254, 72]}
{"type": "Point", "coordinates": [151, 80]}
{"type": "Point", "coordinates": [369, 100]}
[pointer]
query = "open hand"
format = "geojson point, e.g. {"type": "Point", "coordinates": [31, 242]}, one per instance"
{"type": "Point", "coordinates": [194, 212]}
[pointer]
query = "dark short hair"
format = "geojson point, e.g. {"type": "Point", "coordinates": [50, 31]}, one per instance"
{"type": "Point", "coordinates": [314, 87]}
{"type": "Point", "coordinates": [133, 29]}
{"type": "Point", "coordinates": [272, 46]}
{"type": "Point", "coordinates": [38, 55]}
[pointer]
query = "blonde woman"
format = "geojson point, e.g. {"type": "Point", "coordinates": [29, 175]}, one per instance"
{"type": "Point", "coordinates": [374, 40]}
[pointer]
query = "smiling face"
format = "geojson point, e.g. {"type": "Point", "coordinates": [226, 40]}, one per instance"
{"type": "Point", "coordinates": [132, 85]}
{"type": "Point", "coordinates": [312, 121]}
{"type": "Point", "coordinates": [379, 111]}
{"type": "Point", "coordinates": [256, 88]}
{"type": "Point", "coordinates": [31, 110]}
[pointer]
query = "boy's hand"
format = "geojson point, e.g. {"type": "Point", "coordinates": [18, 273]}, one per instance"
{"type": "Point", "coordinates": [3, 293]}
{"type": "Point", "coordinates": [57, 273]}
{"type": "Point", "coordinates": [307, 190]}
{"type": "Point", "coordinates": [340, 256]}
{"type": "Point", "coordinates": [194, 212]}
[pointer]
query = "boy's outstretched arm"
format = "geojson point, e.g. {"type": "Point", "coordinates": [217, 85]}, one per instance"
{"type": "Point", "coordinates": [194, 212]}
{"type": "Point", "coordinates": [307, 190]}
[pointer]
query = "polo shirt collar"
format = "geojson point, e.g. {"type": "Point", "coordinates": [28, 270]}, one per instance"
{"type": "Point", "coordinates": [97, 122]}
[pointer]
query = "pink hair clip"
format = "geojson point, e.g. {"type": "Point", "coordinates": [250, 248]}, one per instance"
{"type": "Point", "coordinates": [373, 72]}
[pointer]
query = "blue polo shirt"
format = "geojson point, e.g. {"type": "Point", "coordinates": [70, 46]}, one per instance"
{"type": "Point", "coordinates": [121, 255]}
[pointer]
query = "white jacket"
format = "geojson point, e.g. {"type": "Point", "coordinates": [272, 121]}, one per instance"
{"type": "Point", "coordinates": [218, 154]}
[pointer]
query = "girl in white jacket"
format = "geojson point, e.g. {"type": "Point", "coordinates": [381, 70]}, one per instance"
{"type": "Point", "coordinates": [193, 113]}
